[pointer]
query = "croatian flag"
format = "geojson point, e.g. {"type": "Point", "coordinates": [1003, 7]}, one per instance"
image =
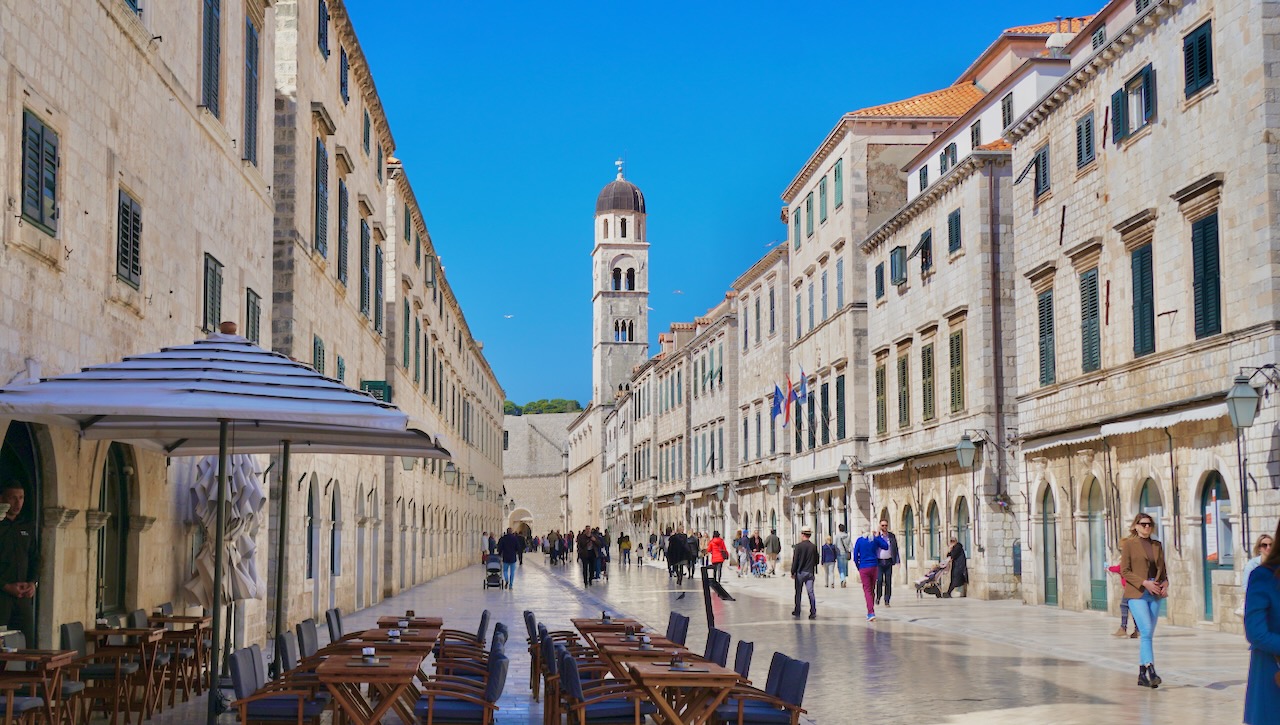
{"type": "Point", "coordinates": [787, 401]}
{"type": "Point", "coordinates": [802, 396]}
{"type": "Point", "coordinates": [776, 410]}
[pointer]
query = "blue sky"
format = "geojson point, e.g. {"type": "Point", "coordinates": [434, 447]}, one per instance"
{"type": "Point", "coordinates": [509, 116]}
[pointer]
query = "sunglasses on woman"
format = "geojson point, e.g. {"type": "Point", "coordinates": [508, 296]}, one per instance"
{"type": "Point", "coordinates": [1145, 523]}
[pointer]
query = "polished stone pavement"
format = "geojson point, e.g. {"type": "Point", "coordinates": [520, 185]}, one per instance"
{"type": "Point", "coordinates": [923, 660]}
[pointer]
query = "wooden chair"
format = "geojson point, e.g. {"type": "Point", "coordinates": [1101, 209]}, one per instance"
{"type": "Point", "coordinates": [607, 701]}
{"type": "Point", "coordinates": [748, 706]}
{"type": "Point", "coordinates": [108, 674]}
{"type": "Point", "coordinates": [260, 701]}
{"type": "Point", "coordinates": [448, 700]}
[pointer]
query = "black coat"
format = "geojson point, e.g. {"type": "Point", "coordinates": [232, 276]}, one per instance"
{"type": "Point", "coordinates": [677, 548]}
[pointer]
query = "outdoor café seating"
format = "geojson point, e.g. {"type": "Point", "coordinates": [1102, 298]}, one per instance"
{"type": "Point", "coordinates": [279, 701]}
{"type": "Point", "coordinates": [717, 649]}
{"type": "Point", "coordinates": [753, 707]}
{"type": "Point", "coordinates": [677, 628]}
{"type": "Point", "coordinates": [108, 673]}
{"type": "Point", "coordinates": [32, 694]}
{"type": "Point", "coordinates": [742, 658]}
{"type": "Point", "coordinates": [447, 700]}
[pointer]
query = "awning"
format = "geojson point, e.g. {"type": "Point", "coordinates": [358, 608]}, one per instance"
{"type": "Point", "coordinates": [1071, 438]}
{"type": "Point", "coordinates": [695, 495]}
{"type": "Point", "coordinates": [1168, 420]}
{"type": "Point", "coordinates": [885, 468]}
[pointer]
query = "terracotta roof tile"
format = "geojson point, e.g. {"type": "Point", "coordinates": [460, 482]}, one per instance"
{"type": "Point", "coordinates": [997, 145]}
{"type": "Point", "coordinates": [1069, 25]}
{"type": "Point", "coordinates": [946, 103]}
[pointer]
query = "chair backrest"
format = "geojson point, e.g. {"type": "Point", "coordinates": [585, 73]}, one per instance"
{"type": "Point", "coordinates": [259, 666]}
{"type": "Point", "coordinates": [774, 680]}
{"type": "Point", "coordinates": [742, 658]}
{"type": "Point", "coordinates": [677, 628]}
{"type": "Point", "coordinates": [484, 626]}
{"type": "Point", "coordinates": [308, 639]}
{"type": "Point", "coordinates": [794, 678]}
{"type": "Point", "coordinates": [717, 649]}
{"type": "Point", "coordinates": [531, 624]}
{"type": "Point", "coordinates": [115, 639]}
{"type": "Point", "coordinates": [17, 640]}
{"type": "Point", "coordinates": [550, 658]}
{"type": "Point", "coordinates": [570, 682]}
{"type": "Point", "coordinates": [166, 609]}
{"type": "Point", "coordinates": [333, 618]}
{"type": "Point", "coordinates": [138, 619]}
{"type": "Point", "coordinates": [242, 673]}
{"type": "Point", "coordinates": [498, 645]}
{"type": "Point", "coordinates": [288, 644]}
{"type": "Point", "coordinates": [497, 677]}
{"type": "Point", "coordinates": [73, 637]}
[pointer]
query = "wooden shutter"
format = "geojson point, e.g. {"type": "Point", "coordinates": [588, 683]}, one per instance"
{"type": "Point", "coordinates": [882, 413]}
{"type": "Point", "coordinates": [1048, 372]}
{"type": "Point", "coordinates": [953, 231]}
{"type": "Point", "coordinates": [1084, 140]}
{"type": "Point", "coordinates": [957, 370]}
{"type": "Point", "coordinates": [129, 240]}
{"type": "Point", "coordinates": [365, 265]}
{"type": "Point", "coordinates": [32, 165]}
{"type": "Point", "coordinates": [322, 199]}
{"type": "Point", "coordinates": [1207, 292]}
{"type": "Point", "coordinates": [211, 56]}
{"type": "Point", "coordinates": [926, 382]}
{"type": "Point", "coordinates": [797, 422]}
{"type": "Point", "coordinates": [904, 391]}
{"type": "Point", "coordinates": [344, 71]}
{"type": "Point", "coordinates": [1119, 116]}
{"type": "Point", "coordinates": [840, 425]}
{"type": "Point", "coordinates": [322, 19]}
{"type": "Point", "coordinates": [1144, 334]}
{"type": "Point", "coordinates": [880, 280]}
{"type": "Point", "coordinates": [1148, 95]}
{"type": "Point", "coordinates": [1090, 332]}
{"type": "Point", "coordinates": [1197, 58]}
{"type": "Point", "coordinates": [251, 55]}
{"type": "Point", "coordinates": [317, 354]}
{"type": "Point", "coordinates": [343, 231]}
{"type": "Point", "coordinates": [378, 311]}
{"type": "Point", "coordinates": [212, 293]}
{"type": "Point", "coordinates": [1042, 170]}
{"type": "Point", "coordinates": [404, 337]}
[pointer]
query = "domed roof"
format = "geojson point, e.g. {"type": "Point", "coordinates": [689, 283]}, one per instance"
{"type": "Point", "coordinates": [620, 195]}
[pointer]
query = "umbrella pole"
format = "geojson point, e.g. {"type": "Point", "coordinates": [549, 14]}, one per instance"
{"type": "Point", "coordinates": [219, 534]}
{"type": "Point", "coordinates": [282, 528]}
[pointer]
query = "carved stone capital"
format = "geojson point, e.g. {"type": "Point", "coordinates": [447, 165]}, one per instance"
{"type": "Point", "coordinates": [58, 517]}
{"type": "Point", "coordinates": [95, 519]}
{"type": "Point", "coordinates": [141, 523]}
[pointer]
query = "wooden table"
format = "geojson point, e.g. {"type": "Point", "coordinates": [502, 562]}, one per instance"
{"type": "Point", "coordinates": [45, 666]}
{"type": "Point", "coordinates": [146, 645]}
{"type": "Point", "coordinates": [406, 635]}
{"type": "Point", "coordinates": [192, 631]}
{"type": "Point", "coordinates": [684, 698]}
{"type": "Point", "coordinates": [416, 622]}
{"type": "Point", "coordinates": [594, 624]}
{"type": "Point", "coordinates": [391, 680]}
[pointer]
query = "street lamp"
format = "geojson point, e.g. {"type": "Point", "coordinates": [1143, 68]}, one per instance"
{"type": "Point", "coordinates": [1242, 403]}
{"type": "Point", "coordinates": [471, 484]}
{"type": "Point", "coordinates": [679, 498]}
{"type": "Point", "coordinates": [479, 489]}
{"type": "Point", "coordinates": [451, 474]}
{"type": "Point", "coordinates": [965, 451]}
{"type": "Point", "coordinates": [408, 463]}
{"type": "Point", "coordinates": [720, 492]}
{"type": "Point", "coordinates": [771, 485]}
{"type": "Point", "coordinates": [843, 472]}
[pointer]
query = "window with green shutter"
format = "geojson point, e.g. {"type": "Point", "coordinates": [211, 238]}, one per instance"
{"type": "Point", "coordinates": [797, 422]}
{"type": "Point", "coordinates": [366, 267]}
{"type": "Point", "coordinates": [799, 316]}
{"type": "Point", "coordinates": [1206, 285]}
{"type": "Point", "coordinates": [344, 231]}
{"type": "Point", "coordinates": [252, 55]}
{"type": "Point", "coordinates": [322, 30]}
{"type": "Point", "coordinates": [252, 316]}
{"type": "Point", "coordinates": [211, 56]}
{"type": "Point", "coordinates": [1090, 331]}
{"type": "Point", "coordinates": [342, 370]}
{"type": "Point", "coordinates": [408, 222]}
{"type": "Point", "coordinates": [898, 265]}
{"type": "Point", "coordinates": [796, 233]}
{"type": "Point", "coordinates": [926, 382]}
{"type": "Point", "coordinates": [840, 284]}
{"type": "Point", "coordinates": [344, 73]}
{"type": "Point", "coordinates": [1042, 170]}
{"type": "Point", "coordinates": [953, 231]}
{"type": "Point", "coordinates": [1144, 307]}
{"type": "Point", "coordinates": [417, 250]}
{"type": "Point", "coordinates": [837, 174]}
{"type": "Point", "coordinates": [1006, 110]}
{"type": "Point", "coordinates": [975, 135]}
{"type": "Point", "coordinates": [317, 354]}
{"type": "Point", "coordinates": [378, 271]}
{"type": "Point", "coordinates": [924, 177]}
{"type": "Point", "coordinates": [1044, 304]}
{"type": "Point", "coordinates": [840, 425]}
{"type": "Point", "coordinates": [322, 199]}
{"type": "Point", "coordinates": [417, 350]}
{"type": "Point", "coordinates": [379, 389]}
{"type": "Point", "coordinates": [812, 421]}
{"type": "Point", "coordinates": [1099, 37]}
{"type": "Point", "coordinates": [367, 132]}
{"type": "Point", "coordinates": [957, 370]}
{"type": "Point", "coordinates": [880, 280]}
{"type": "Point", "coordinates": [825, 411]}
{"type": "Point", "coordinates": [1197, 58]}
{"type": "Point", "coordinates": [1134, 105]}
{"type": "Point", "coordinates": [128, 239]}
{"type": "Point", "coordinates": [808, 215]}
{"type": "Point", "coordinates": [212, 293]}
{"type": "Point", "coordinates": [925, 249]}
{"type": "Point", "coordinates": [379, 163]}
{"type": "Point", "coordinates": [882, 402]}
{"type": "Point", "coordinates": [40, 162]}
{"type": "Point", "coordinates": [822, 199]}
{"type": "Point", "coordinates": [405, 339]}
{"type": "Point", "coordinates": [1084, 140]}
{"type": "Point", "coordinates": [904, 391]}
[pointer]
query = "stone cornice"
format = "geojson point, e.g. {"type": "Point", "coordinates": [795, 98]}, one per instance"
{"type": "Point", "coordinates": [1104, 57]}
{"type": "Point", "coordinates": [761, 267]}
{"type": "Point", "coordinates": [363, 75]}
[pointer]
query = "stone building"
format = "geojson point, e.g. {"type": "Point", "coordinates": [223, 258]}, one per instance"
{"type": "Point", "coordinates": [535, 469]}
{"type": "Point", "coordinates": [1144, 285]}
{"type": "Point", "coordinates": [941, 331]}
{"type": "Point", "coordinates": [110, 249]}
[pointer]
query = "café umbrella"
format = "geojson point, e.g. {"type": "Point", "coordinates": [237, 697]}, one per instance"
{"type": "Point", "coordinates": [216, 396]}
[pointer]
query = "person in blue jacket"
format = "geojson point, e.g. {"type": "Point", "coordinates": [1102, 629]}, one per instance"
{"type": "Point", "coordinates": [1262, 629]}
{"type": "Point", "coordinates": [866, 557]}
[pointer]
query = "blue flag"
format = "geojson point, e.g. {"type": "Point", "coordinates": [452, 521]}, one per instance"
{"type": "Point", "coordinates": [776, 410]}
{"type": "Point", "coordinates": [802, 395]}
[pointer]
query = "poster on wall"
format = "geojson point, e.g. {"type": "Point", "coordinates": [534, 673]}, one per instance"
{"type": "Point", "coordinates": [1211, 531]}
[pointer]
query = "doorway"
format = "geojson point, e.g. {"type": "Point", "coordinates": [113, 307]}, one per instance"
{"type": "Point", "coordinates": [1049, 537]}
{"type": "Point", "coordinates": [963, 529]}
{"type": "Point", "coordinates": [1097, 547]}
{"type": "Point", "coordinates": [1215, 535]}
{"type": "Point", "coordinates": [113, 537]}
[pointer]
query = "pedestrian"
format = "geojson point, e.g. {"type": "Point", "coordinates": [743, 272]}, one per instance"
{"type": "Point", "coordinates": [19, 565]}
{"type": "Point", "coordinates": [493, 544]}
{"type": "Point", "coordinates": [1124, 603]}
{"type": "Point", "coordinates": [744, 553]}
{"type": "Point", "coordinates": [804, 567]}
{"type": "Point", "coordinates": [586, 555]}
{"type": "Point", "coordinates": [757, 543]}
{"type": "Point", "coordinates": [828, 564]}
{"type": "Point", "coordinates": [653, 542]}
{"type": "Point", "coordinates": [866, 558]}
{"type": "Point", "coordinates": [886, 559]}
{"type": "Point", "coordinates": [1262, 629]}
{"type": "Point", "coordinates": [844, 549]}
{"type": "Point", "coordinates": [524, 544]}
{"type": "Point", "coordinates": [695, 553]}
{"type": "Point", "coordinates": [773, 549]}
{"type": "Point", "coordinates": [677, 549]}
{"type": "Point", "coordinates": [958, 564]}
{"type": "Point", "coordinates": [624, 546]}
{"type": "Point", "coordinates": [485, 551]}
{"type": "Point", "coordinates": [718, 552]}
{"type": "Point", "coordinates": [509, 548]}
{"type": "Point", "coordinates": [1146, 583]}
{"type": "Point", "coordinates": [1261, 548]}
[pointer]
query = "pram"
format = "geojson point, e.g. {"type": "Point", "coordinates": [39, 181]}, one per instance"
{"type": "Point", "coordinates": [493, 571]}
{"type": "Point", "coordinates": [759, 564]}
{"type": "Point", "coordinates": [930, 583]}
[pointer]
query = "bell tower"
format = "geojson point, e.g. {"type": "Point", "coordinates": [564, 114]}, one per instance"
{"type": "Point", "coordinates": [620, 289]}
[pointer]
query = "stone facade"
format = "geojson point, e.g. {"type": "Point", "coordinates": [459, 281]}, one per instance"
{"type": "Point", "coordinates": [535, 468]}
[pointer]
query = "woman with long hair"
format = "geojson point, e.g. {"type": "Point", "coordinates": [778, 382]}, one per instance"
{"type": "Point", "coordinates": [1146, 582]}
{"type": "Point", "coordinates": [1261, 548]}
{"type": "Point", "coordinates": [1262, 629]}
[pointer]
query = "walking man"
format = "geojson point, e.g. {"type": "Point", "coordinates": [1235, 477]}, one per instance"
{"type": "Point", "coordinates": [866, 558]}
{"type": "Point", "coordinates": [804, 567]}
{"type": "Point", "coordinates": [19, 565]}
{"type": "Point", "coordinates": [772, 549]}
{"type": "Point", "coordinates": [887, 559]}
{"type": "Point", "coordinates": [509, 548]}
{"type": "Point", "coordinates": [677, 549]}
{"type": "Point", "coordinates": [586, 554]}
{"type": "Point", "coordinates": [844, 548]}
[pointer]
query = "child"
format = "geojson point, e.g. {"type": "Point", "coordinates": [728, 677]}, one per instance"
{"type": "Point", "coordinates": [828, 562]}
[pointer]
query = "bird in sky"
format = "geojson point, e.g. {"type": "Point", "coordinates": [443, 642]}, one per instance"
{"type": "Point", "coordinates": [678, 292]}
{"type": "Point", "coordinates": [648, 308]}
{"type": "Point", "coordinates": [770, 244]}
{"type": "Point", "coordinates": [507, 317]}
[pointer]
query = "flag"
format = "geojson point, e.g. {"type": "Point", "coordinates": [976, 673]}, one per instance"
{"type": "Point", "coordinates": [786, 402]}
{"type": "Point", "coordinates": [802, 395]}
{"type": "Point", "coordinates": [776, 410]}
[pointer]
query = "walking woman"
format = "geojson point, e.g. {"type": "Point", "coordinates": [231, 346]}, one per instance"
{"type": "Point", "coordinates": [828, 563]}
{"type": "Point", "coordinates": [718, 552]}
{"type": "Point", "coordinates": [1146, 582]}
{"type": "Point", "coordinates": [1262, 629]}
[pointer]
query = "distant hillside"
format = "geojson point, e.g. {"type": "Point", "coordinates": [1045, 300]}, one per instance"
{"type": "Point", "coordinates": [556, 405]}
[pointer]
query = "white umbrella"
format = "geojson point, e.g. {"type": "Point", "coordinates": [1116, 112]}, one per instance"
{"type": "Point", "coordinates": [211, 396]}
{"type": "Point", "coordinates": [241, 579]}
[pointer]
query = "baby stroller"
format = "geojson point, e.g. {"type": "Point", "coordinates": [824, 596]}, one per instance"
{"type": "Point", "coordinates": [759, 564]}
{"type": "Point", "coordinates": [493, 571]}
{"type": "Point", "coordinates": [930, 583]}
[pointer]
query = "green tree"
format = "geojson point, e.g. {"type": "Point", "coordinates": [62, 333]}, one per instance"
{"type": "Point", "coordinates": [510, 408]}
{"type": "Point", "coordinates": [555, 405]}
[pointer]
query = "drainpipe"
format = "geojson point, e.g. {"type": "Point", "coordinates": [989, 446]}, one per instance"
{"type": "Point", "coordinates": [1177, 507]}
{"type": "Point", "coordinates": [1071, 501]}
{"type": "Point", "coordinates": [1116, 521]}
{"type": "Point", "coordinates": [997, 327]}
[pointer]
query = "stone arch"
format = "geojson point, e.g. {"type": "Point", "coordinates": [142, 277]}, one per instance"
{"type": "Point", "coordinates": [604, 228]}
{"type": "Point", "coordinates": [622, 228]}
{"type": "Point", "coordinates": [630, 284]}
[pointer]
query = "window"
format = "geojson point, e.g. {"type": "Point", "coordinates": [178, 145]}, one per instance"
{"type": "Point", "coordinates": [953, 231]}
{"type": "Point", "coordinates": [344, 72]}
{"type": "Point", "coordinates": [840, 284]}
{"type": "Point", "coordinates": [129, 240]}
{"type": "Point", "coordinates": [957, 370]}
{"type": "Point", "coordinates": [211, 56]}
{"type": "Point", "coordinates": [825, 410]}
{"type": "Point", "coordinates": [759, 436]}
{"type": "Point", "coordinates": [341, 374]}
{"type": "Point", "coordinates": [947, 159]}
{"type": "Point", "coordinates": [322, 199]}
{"type": "Point", "coordinates": [1134, 105]}
{"type": "Point", "coordinates": [252, 53]}
{"type": "Point", "coordinates": [908, 534]}
{"type": "Point", "coordinates": [975, 135]}
{"type": "Point", "coordinates": [343, 231]}
{"type": "Point", "coordinates": [622, 228]}
{"type": "Point", "coordinates": [1090, 331]}
{"type": "Point", "coordinates": [1099, 37]}
{"type": "Point", "coordinates": [811, 316]}
{"type": "Point", "coordinates": [323, 34]}
{"type": "Point", "coordinates": [898, 265]}
{"type": "Point", "coordinates": [924, 177]}
{"type": "Point", "coordinates": [1197, 58]}
{"type": "Point", "coordinates": [796, 233]}
{"type": "Point", "coordinates": [1204, 260]}
{"type": "Point", "coordinates": [212, 293]}
{"type": "Point", "coordinates": [367, 131]}
{"type": "Point", "coordinates": [252, 316]}
{"type": "Point", "coordinates": [840, 424]}
{"type": "Point", "coordinates": [1140, 5]}
{"type": "Point", "coordinates": [812, 421]}
{"type": "Point", "coordinates": [808, 215]}
{"type": "Point", "coordinates": [1042, 170]}
{"type": "Point", "coordinates": [880, 280]}
{"type": "Point", "coordinates": [40, 162]}
{"type": "Point", "coordinates": [1006, 110]}
{"type": "Point", "coordinates": [773, 434]}
{"type": "Point", "coordinates": [926, 382]}
{"type": "Point", "coordinates": [772, 312]}
{"type": "Point", "coordinates": [837, 173]}
{"type": "Point", "coordinates": [798, 418]}
{"type": "Point", "coordinates": [379, 165]}
{"type": "Point", "coordinates": [757, 320]}
{"type": "Point", "coordinates": [746, 439]}
{"type": "Point", "coordinates": [799, 313]}
{"type": "Point", "coordinates": [882, 408]}
{"type": "Point", "coordinates": [366, 263]}
{"type": "Point", "coordinates": [1084, 140]}
{"type": "Point", "coordinates": [317, 354]}
{"type": "Point", "coordinates": [822, 199]}
{"type": "Point", "coordinates": [925, 250]}
{"type": "Point", "coordinates": [904, 391]}
{"type": "Point", "coordinates": [1045, 307]}
{"type": "Point", "coordinates": [404, 337]}
{"type": "Point", "coordinates": [1144, 308]}
{"type": "Point", "coordinates": [824, 295]}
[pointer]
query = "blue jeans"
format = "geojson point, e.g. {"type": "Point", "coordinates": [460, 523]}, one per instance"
{"type": "Point", "coordinates": [842, 566]}
{"type": "Point", "coordinates": [509, 573]}
{"type": "Point", "coordinates": [1145, 612]}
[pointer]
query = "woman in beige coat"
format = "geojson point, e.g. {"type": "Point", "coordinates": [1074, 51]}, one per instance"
{"type": "Point", "coordinates": [1146, 582]}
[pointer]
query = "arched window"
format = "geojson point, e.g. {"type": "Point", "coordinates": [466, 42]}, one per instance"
{"type": "Point", "coordinates": [604, 227]}
{"type": "Point", "coordinates": [631, 332]}
{"type": "Point", "coordinates": [963, 531]}
{"type": "Point", "coordinates": [908, 533]}
{"type": "Point", "coordinates": [335, 543]}
{"type": "Point", "coordinates": [623, 229]}
{"type": "Point", "coordinates": [934, 531]}
{"type": "Point", "coordinates": [113, 537]}
{"type": "Point", "coordinates": [631, 280]}
{"type": "Point", "coordinates": [312, 531]}
{"type": "Point", "coordinates": [617, 278]}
